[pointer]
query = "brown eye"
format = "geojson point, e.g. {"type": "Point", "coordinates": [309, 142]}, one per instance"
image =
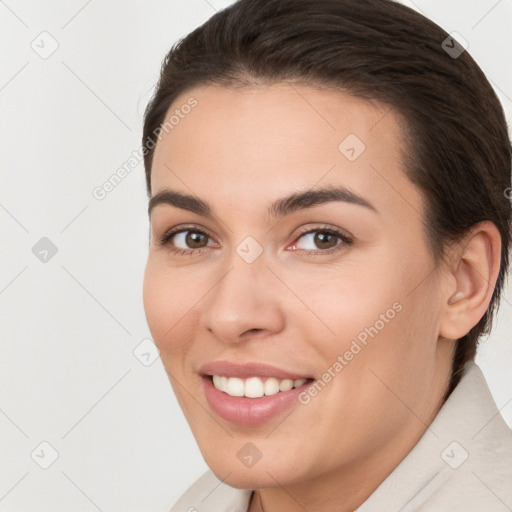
{"type": "Point", "coordinates": [325, 240]}
{"type": "Point", "coordinates": [195, 239]}
{"type": "Point", "coordinates": [185, 241]}
{"type": "Point", "coordinates": [322, 240]}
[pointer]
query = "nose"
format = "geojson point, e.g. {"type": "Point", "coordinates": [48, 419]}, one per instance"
{"type": "Point", "coordinates": [244, 303]}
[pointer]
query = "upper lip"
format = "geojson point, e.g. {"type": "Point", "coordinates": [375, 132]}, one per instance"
{"type": "Point", "coordinates": [251, 369]}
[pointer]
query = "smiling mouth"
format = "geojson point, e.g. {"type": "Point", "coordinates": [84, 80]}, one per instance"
{"type": "Point", "coordinates": [255, 387]}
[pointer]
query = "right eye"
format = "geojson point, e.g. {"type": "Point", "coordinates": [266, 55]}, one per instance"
{"type": "Point", "coordinates": [190, 240]}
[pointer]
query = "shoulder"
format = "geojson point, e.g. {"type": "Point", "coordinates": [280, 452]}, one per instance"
{"type": "Point", "coordinates": [462, 462]}
{"type": "Point", "coordinates": [479, 457]}
{"type": "Point", "coordinates": [211, 494]}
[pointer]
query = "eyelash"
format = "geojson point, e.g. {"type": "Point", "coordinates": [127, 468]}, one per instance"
{"type": "Point", "coordinates": [346, 239]}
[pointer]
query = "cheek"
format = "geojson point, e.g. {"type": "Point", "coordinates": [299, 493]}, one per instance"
{"type": "Point", "coordinates": [343, 305]}
{"type": "Point", "coordinates": [154, 301]}
{"type": "Point", "coordinates": [375, 304]}
{"type": "Point", "coordinates": [168, 304]}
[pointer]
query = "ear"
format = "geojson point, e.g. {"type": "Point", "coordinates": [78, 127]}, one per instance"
{"type": "Point", "coordinates": [475, 265]}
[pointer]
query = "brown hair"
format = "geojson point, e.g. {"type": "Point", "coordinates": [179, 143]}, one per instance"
{"type": "Point", "coordinates": [460, 151]}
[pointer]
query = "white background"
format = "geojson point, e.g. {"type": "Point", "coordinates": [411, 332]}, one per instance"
{"type": "Point", "coordinates": [68, 375]}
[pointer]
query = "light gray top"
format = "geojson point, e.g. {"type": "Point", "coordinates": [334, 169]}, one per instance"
{"type": "Point", "coordinates": [463, 462]}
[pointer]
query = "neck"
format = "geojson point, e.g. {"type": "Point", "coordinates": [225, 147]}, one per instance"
{"type": "Point", "coordinates": [347, 488]}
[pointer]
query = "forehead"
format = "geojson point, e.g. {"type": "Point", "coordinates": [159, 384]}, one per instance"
{"type": "Point", "coordinates": [245, 146]}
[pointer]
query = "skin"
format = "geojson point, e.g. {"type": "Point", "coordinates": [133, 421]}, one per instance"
{"type": "Point", "coordinates": [240, 150]}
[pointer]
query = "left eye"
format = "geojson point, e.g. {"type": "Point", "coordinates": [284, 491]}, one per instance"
{"type": "Point", "coordinates": [323, 239]}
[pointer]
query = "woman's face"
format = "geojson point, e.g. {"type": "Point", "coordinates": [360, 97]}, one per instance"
{"type": "Point", "coordinates": [338, 289]}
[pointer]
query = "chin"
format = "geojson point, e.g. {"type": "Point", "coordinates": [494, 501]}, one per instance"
{"type": "Point", "coordinates": [250, 478]}
{"type": "Point", "coordinates": [262, 474]}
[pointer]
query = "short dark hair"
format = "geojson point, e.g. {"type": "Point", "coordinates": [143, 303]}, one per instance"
{"type": "Point", "coordinates": [459, 151]}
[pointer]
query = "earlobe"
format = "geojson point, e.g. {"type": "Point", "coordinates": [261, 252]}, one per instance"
{"type": "Point", "coordinates": [475, 269]}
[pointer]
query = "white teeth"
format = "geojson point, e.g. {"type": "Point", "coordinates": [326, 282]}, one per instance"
{"type": "Point", "coordinates": [254, 387]}
{"type": "Point", "coordinates": [220, 382]}
{"type": "Point", "coordinates": [235, 387]}
{"type": "Point", "coordinates": [285, 385]}
{"type": "Point", "coordinates": [271, 386]}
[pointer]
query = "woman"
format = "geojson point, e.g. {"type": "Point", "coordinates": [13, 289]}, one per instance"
{"type": "Point", "coordinates": [330, 233]}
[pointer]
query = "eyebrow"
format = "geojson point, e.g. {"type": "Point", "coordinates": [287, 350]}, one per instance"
{"type": "Point", "coordinates": [280, 208]}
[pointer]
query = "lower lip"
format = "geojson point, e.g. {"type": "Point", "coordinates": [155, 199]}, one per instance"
{"type": "Point", "coordinates": [250, 411]}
